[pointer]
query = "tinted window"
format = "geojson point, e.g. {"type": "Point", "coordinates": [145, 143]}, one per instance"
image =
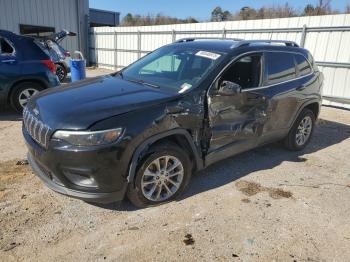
{"type": "Point", "coordinates": [168, 63]}
{"type": "Point", "coordinates": [280, 67]}
{"type": "Point", "coordinates": [246, 72]}
{"type": "Point", "coordinates": [5, 47]}
{"type": "Point", "coordinates": [303, 65]}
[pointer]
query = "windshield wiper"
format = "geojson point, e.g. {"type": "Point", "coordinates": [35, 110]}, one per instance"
{"type": "Point", "coordinates": [118, 73]}
{"type": "Point", "coordinates": [143, 83]}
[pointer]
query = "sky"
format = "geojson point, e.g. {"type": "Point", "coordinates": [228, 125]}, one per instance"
{"type": "Point", "coordinates": [200, 9]}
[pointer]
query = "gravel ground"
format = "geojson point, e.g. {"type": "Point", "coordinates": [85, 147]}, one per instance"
{"type": "Point", "coordinates": [268, 204]}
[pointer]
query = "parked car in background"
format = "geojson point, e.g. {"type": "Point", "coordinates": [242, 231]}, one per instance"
{"type": "Point", "coordinates": [57, 53]}
{"type": "Point", "coordinates": [143, 131]}
{"type": "Point", "coordinates": [25, 70]}
{"type": "Point", "coordinates": [61, 59]}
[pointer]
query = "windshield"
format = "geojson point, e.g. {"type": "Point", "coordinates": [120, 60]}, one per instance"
{"type": "Point", "coordinates": [177, 68]}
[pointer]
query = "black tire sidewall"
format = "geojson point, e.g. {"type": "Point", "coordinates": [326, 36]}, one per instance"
{"type": "Point", "coordinates": [18, 89]}
{"type": "Point", "coordinates": [135, 194]}
{"type": "Point", "coordinates": [291, 137]}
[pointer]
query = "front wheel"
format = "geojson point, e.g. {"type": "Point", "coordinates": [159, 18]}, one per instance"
{"type": "Point", "coordinates": [162, 175]}
{"type": "Point", "coordinates": [300, 134]}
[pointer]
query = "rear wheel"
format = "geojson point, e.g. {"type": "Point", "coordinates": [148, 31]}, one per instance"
{"type": "Point", "coordinates": [61, 72]}
{"type": "Point", "coordinates": [300, 134]}
{"type": "Point", "coordinates": [162, 175]}
{"type": "Point", "coordinates": [22, 93]}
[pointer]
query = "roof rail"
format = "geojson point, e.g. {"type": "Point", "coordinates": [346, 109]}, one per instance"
{"type": "Point", "coordinates": [190, 39]}
{"type": "Point", "coordinates": [250, 42]}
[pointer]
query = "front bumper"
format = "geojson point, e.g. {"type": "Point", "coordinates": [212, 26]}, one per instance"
{"type": "Point", "coordinates": [63, 170]}
{"type": "Point", "coordinates": [102, 198]}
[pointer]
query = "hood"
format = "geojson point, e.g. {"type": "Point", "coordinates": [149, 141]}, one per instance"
{"type": "Point", "coordinates": [84, 103]}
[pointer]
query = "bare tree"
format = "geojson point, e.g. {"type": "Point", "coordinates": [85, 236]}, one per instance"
{"type": "Point", "coordinates": [323, 7]}
{"type": "Point", "coordinates": [347, 9]}
{"type": "Point", "coordinates": [159, 19]}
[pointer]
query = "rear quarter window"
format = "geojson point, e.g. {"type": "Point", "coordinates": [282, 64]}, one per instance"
{"type": "Point", "coordinates": [5, 47]}
{"type": "Point", "coordinates": [280, 67]}
{"type": "Point", "coordinates": [303, 66]}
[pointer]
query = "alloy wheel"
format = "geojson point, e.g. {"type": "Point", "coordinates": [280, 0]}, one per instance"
{"type": "Point", "coordinates": [303, 131]}
{"type": "Point", "coordinates": [25, 95]}
{"type": "Point", "coordinates": [60, 73]}
{"type": "Point", "coordinates": [162, 178]}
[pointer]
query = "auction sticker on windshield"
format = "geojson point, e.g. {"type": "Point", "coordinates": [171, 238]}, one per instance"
{"type": "Point", "coordinates": [206, 54]}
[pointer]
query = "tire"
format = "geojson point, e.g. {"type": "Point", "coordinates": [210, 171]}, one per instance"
{"type": "Point", "coordinates": [294, 140]}
{"type": "Point", "coordinates": [61, 72]}
{"type": "Point", "coordinates": [148, 177]}
{"type": "Point", "coordinates": [22, 93]}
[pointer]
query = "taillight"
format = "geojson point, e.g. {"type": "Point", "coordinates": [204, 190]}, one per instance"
{"type": "Point", "coordinates": [51, 65]}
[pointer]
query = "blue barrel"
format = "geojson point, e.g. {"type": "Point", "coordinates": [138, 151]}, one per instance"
{"type": "Point", "coordinates": [78, 68]}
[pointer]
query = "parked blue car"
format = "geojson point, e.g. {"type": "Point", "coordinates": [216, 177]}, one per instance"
{"type": "Point", "coordinates": [25, 70]}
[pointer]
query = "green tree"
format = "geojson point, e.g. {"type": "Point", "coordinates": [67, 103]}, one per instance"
{"type": "Point", "coordinates": [218, 15]}
{"type": "Point", "coordinates": [191, 20]}
{"type": "Point", "coordinates": [128, 20]}
{"type": "Point", "coordinates": [248, 13]}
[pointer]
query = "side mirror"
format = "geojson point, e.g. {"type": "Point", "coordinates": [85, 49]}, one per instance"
{"type": "Point", "coordinates": [228, 88]}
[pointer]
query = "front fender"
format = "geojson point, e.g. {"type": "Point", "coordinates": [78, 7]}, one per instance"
{"type": "Point", "coordinates": [146, 144]}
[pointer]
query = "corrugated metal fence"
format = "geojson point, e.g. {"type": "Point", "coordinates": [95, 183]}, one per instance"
{"type": "Point", "coordinates": [327, 37]}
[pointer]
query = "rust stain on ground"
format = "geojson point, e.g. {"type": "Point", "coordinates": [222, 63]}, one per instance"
{"type": "Point", "coordinates": [252, 188]}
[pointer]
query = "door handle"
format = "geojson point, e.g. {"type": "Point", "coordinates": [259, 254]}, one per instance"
{"type": "Point", "coordinates": [8, 61]}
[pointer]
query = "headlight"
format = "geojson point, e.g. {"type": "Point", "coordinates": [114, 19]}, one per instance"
{"type": "Point", "coordinates": [88, 138]}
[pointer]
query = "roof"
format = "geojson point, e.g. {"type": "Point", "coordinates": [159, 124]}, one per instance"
{"type": "Point", "coordinates": [228, 45]}
{"type": "Point", "coordinates": [219, 45]}
{"type": "Point", "coordinates": [6, 33]}
{"type": "Point", "coordinates": [11, 35]}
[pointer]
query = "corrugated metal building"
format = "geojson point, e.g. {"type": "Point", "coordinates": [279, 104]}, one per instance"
{"type": "Point", "coordinates": [42, 17]}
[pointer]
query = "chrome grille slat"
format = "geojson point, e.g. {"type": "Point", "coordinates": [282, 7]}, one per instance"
{"type": "Point", "coordinates": [36, 128]}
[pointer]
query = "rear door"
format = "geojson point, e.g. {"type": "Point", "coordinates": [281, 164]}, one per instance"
{"type": "Point", "coordinates": [281, 83]}
{"type": "Point", "coordinates": [237, 121]}
{"type": "Point", "coordinates": [9, 68]}
{"type": "Point", "coordinates": [287, 76]}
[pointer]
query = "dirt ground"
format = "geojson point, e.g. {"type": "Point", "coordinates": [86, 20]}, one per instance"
{"type": "Point", "coordinates": [268, 204]}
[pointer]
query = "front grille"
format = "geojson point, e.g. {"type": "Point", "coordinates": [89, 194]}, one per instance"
{"type": "Point", "coordinates": [36, 128]}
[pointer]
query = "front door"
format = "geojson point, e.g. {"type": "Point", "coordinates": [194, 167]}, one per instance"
{"type": "Point", "coordinates": [237, 121]}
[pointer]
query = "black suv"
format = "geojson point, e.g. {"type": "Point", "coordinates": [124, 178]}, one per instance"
{"type": "Point", "coordinates": [144, 130]}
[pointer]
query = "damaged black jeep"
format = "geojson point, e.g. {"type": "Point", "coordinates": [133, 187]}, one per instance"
{"type": "Point", "coordinates": [143, 131]}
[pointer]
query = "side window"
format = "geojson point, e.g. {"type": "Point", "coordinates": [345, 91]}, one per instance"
{"type": "Point", "coordinates": [303, 65]}
{"type": "Point", "coordinates": [5, 47]}
{"type": "Point", "coordinates": [169, 63]}
{"type": "Point", "coordinates": [246, 71]}
{"type": "Point", "coordinates": [280, 67]}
